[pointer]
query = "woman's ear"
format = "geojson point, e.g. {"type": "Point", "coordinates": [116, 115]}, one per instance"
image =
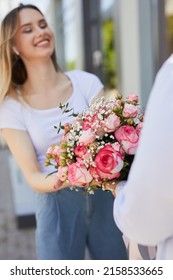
{"type": "Point", "coordinates": [15, 51]}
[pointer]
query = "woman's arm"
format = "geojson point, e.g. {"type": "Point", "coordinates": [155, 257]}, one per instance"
{"type": "Point", "coordinates": [23, 151]}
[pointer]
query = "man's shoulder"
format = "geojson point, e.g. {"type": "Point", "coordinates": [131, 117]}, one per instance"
{"type": "Point", "coordinates": [166, 70]}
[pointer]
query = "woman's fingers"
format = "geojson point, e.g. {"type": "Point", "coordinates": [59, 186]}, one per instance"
{"type": "Point", "coordinates": [59, 185]}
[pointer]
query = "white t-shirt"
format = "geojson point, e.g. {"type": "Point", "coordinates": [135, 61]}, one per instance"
{"type": "Point", "coordinates": [40, 123]}
{"type": "Point", "coordinates": [143, 207]}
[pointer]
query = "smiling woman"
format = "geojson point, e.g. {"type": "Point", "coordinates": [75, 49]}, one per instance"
{"type": "Point", "coordinates": [34, 32]}
{"type": "Point", "coordinates": [31, 88]}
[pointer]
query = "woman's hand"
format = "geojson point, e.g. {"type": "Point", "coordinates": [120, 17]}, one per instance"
{"type": "Point", "coordinates": [60, 185]}
{"type": "Point", "coordinates": [109, 186]}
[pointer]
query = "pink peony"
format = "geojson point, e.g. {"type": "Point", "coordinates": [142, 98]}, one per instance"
{"type": "Point", "coordinates": [78, 175]}
{"type": "Point", "coordinates": [109, 162]}
{"type": "Point", "coordinates": [127, 136]}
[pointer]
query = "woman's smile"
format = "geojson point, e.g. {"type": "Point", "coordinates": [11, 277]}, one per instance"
{"type": "Point", "coordinates": [43, 43]}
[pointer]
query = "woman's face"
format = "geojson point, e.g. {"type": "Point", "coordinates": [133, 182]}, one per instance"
{"type": "Point", "coordinates": [34, 39]}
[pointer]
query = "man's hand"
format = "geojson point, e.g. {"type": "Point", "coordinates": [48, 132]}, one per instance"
{"type": "Point", "coordinates": [111, 186]}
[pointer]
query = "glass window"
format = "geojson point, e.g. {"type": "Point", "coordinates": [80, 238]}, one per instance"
{"type": "Point", "coordinates": [108, 33]}
{"type": "Point", "coordinates": [169, 25]}
{"type": "Point", "coordinates": [70, 34]}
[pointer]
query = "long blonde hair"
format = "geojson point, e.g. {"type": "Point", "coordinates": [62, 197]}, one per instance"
{"type": "Point", "coordinates": [12, 68]}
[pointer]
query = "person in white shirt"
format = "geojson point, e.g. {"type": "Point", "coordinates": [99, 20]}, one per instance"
{"type": "Point", "coordinates": [143, 206]}
{"type": "Point", "coordinates": [32, 86]}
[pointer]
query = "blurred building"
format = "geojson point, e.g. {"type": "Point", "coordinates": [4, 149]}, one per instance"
{"type": "Point", "coordinates": [123, 42]}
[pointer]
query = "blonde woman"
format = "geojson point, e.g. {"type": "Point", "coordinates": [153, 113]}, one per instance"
{"type": "Point", "coordinates": [32, 86]}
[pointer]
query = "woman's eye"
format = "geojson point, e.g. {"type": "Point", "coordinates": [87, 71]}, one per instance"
{"type": "Point", "coordinates": [27, 30]}
{"type": "Point", "coordinates": [43, 25]}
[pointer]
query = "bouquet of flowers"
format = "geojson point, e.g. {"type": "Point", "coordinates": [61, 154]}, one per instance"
{"type": "Point", "coordinates": [100, 145]}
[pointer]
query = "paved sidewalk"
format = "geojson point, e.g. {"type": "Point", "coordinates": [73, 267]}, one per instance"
{"type": "Point", "coordinates": [15, 244]}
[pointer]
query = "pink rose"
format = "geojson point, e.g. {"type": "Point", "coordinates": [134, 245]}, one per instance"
{"type": "Point", "coordinates": [100, 131]}
{"type": "Point", "coordinates": [132, 98]}
{"type": "Point", "coordinates": [49, 152]}
{"type": "Point", "coordinates": [139, 128]}
{"type": "Point", "coordinates": [111, 123]}
{"type": "Point", "coordinates": [62, 173]}
{"type": "Point", "coordinates": [87, 137]}
{"type": "Point", "coordinates": [93, 172]}
{"type": "Point", "coordinates": [127, 136]}
{"type": "Point", "coordinates": [86, 123]}
{"type": "Point", "coordinates": [66, 137]}
{"type": "Point", "coordinates": [54, 152]}
{"type": "Point", "coordinates": [95, 121]}
{"type": "Point", "coordinates": [109, 162]}
{"type": "Point", "coordinates": [91, 122]}
{"type": "Point", "coordinates": [117, 147]}
{"type": "Point", "coordinates": [67, 127]}
{"type": "Point", "coordinates": [78, 175]}
{"type": "Point", "coordinates": [130, 110]}
{"type": "Point", "coordinates": [80, 150]}
{"type": "Point", "coordinates": [57, 150]}
{"type": "Point", "coordinates": [88, 156]}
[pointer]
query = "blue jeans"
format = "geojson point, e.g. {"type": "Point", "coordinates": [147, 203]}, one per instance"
{"type": "Point", "coordinates": [68, 221]}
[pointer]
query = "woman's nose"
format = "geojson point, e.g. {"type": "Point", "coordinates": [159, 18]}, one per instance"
{"type": "Point", "coordinates": [39, 32]}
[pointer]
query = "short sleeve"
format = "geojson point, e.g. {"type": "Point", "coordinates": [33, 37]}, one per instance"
{"type": "Point", "coordinates": [95, 87]}
{"type": "Point", "coordinates": [89, 84]}
{"type": "Point", "coordinates": [11, 115]}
